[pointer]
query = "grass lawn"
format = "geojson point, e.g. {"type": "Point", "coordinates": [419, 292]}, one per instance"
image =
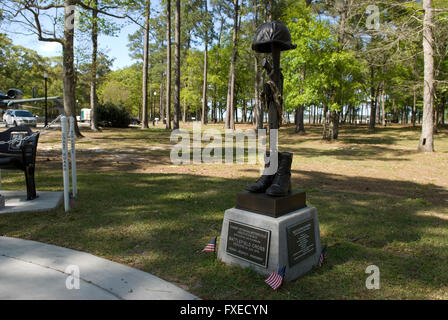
{"type": "Point", "coordinates": [379, 202]}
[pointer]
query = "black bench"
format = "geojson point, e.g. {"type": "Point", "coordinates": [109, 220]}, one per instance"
{"type": "Point", "coordinates": [20, 155]}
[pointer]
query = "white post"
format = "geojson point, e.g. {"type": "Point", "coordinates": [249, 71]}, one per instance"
{"type": "Point", "coordinates": [65, 173]}
{"type": "Point", "coordinates": [73, 155]}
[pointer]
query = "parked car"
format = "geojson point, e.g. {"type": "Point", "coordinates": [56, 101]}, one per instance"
{"type": "Point", "coordinates": [135, 121]}
{"type": "Point", "coordinates": [15, 118]}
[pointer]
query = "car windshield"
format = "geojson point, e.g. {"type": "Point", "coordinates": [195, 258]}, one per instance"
{"type": "Point", "coordinates": [23, 114]}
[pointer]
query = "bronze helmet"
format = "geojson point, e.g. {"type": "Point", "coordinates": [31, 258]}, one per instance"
{"type": "Point", "coordinates": [272, 33]}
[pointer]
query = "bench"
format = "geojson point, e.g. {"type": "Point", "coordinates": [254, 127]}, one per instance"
{"type": "Point", "coordinates": [20, 155]}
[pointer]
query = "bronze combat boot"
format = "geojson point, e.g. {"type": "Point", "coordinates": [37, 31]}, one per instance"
{"type": "Point", "coordinates": [264, 181]}
{"type": "Point", "coordinates": [281, 184]}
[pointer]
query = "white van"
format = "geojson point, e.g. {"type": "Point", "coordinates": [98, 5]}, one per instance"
{"type": "Point", "coordinates": [15, 117]}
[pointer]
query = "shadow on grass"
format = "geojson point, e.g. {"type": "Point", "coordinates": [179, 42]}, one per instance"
{"type": "Point", "coordinates": [367, 153]}
{"type": "Point", "coordinates": [160, 222]}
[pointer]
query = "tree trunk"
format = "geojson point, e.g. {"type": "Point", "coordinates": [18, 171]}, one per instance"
{"type": "Point", "coordinates": [168, 65]}
{"type": "Point", "coordinates": [204, 119]}
{"type": "Point", "coordinates": [353, 115]}
{"type": "Point", "coordinates": [162, 105]}
{"type": "Point", "coordinates": [218, 112]}
{"type": "Point", "coordinates": [383, 108]}
{"type": "Point", "coordinates": [440, 111]}
{"type": "Point", "coordinates": [300, 127]}
{"type": "Point", "coordinates": [372, 102]}
{"type": "Point", "coordinates": [93, 81]}
{"type": "Point", "coordinates": [426, 143]}
{"type": "Point", "coordinates": [362, 111]}
{"type": "Point", "coordinates": [204, 83]}
{"type": "Point", "coordinates": [442, 119]}
{"type": "Point", "coordinates": [334, 125]}
{"type": "Point", "coordinates": [184, 113]}
{"type": "Point", "coordinates": [324, 123]}
{"type": "Point", "coordinates": [309, 115]}
{"type": "Point", "coordinates": [145, 69]}
{"type": "Point", "coordinates": [177, 68]}
{"type": "Point", "coordinates": [258, 108]}
{"type": "Point", "coordinates": [377, 102]}
{"type": "Point", "coordinates": [68, 67]}
{"type": "Point", "coordinates": [244, 112]}
{"type": "Point", "coordinates": [414, 108]}
{"type": "Point", "coordinates": [230, 122]}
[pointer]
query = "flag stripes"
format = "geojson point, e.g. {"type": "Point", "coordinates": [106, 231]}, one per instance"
{"type": "Point", "coordinates": [323, 256]}
{"type": "Point", "coordinates": [211, 246]}
{"type": "Point", "coordinates": [275, 279]}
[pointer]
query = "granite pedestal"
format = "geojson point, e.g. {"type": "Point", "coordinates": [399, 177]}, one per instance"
{"type": "Point", "coordinates": [266, 243]}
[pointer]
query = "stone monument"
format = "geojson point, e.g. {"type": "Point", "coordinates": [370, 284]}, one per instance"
{"type": "Point", "coordinates": [271, 226]}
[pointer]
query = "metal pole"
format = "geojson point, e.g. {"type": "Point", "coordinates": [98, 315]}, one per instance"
{"type": "Point", "coordinates": [65, 174]}
{"type": "Point", "coordinates": [73, 155]}
{"type": "Point", "coordinates": [46, 115]}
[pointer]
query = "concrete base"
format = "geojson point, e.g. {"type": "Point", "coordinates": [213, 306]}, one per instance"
{"type": "Point", "coordinates": [15, 201]}
{"type": "Point", "coordinates": [278, 248]}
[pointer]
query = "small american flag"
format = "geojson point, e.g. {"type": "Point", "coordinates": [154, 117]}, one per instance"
{"type": "Point", "coordinates": [275, 280]}
{"type": "Point", "coordinates": [211, 246]}
{"type": "Point", "coordinates": [323, 256]}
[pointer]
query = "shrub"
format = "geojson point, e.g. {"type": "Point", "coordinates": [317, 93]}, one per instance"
{"type": "Point", "coordinates": [111, 115]}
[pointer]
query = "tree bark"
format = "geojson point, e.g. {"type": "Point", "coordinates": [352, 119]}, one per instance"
{"type": "Point", "coordinates": [300, 127]}
{"type": "Point", "coordinates": [145, 68]}
{"type": "Point", "coordinates": [324, 123]}
{"type": "Point", "coordinates": [162, 105]}
{"type": "Point", "coordinates": [177, 68]}
{"type": "Point", "coordinates": [414, 109]}
{"type": "Point", "coordinates": [168, 65]}
{"type": "Point", "coordinates": [334, 125]}
{"type": "Point", "coordinates": [184, 113]}
{"type": "Point", "coordinates": [383, 107]}
{"type": "Point", "coordinates": [230, 122]}
{"type": "Point", "coordinates": [204, 84]}
{"type": "Point", "coordinates": [372, 101]}
{"type": "Point", "coordinates": [426, 143]}
{"type": "Point", "coordinates": [68, 67]}
{"type": "Point", "coordinates": [258, 108]}
{"type": "Point", "coordinates": [442, 120]}
{"type": "Point", "coordinates": [93, 79]}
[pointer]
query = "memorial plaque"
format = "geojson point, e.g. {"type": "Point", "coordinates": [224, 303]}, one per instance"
{"type": "Point", "coordinates": [301, 242]}
{"type": "Point", "coordinates": [248, 243]}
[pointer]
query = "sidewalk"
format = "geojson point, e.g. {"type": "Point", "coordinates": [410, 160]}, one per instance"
{"type": "Point", "coordinates": [35, 270]}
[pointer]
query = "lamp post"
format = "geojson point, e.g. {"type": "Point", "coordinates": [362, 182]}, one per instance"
{"type": "Point", "coordinates": [153, 107]}
{"type": "Point", "coordinates": [46, 115]}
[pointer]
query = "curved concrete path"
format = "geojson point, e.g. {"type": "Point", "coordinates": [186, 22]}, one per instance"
{"type": "Point", "coordinates": [35, 270]}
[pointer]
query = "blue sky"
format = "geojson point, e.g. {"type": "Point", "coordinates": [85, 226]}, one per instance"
{"type": "Point", "coordinates": [116, 47]}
